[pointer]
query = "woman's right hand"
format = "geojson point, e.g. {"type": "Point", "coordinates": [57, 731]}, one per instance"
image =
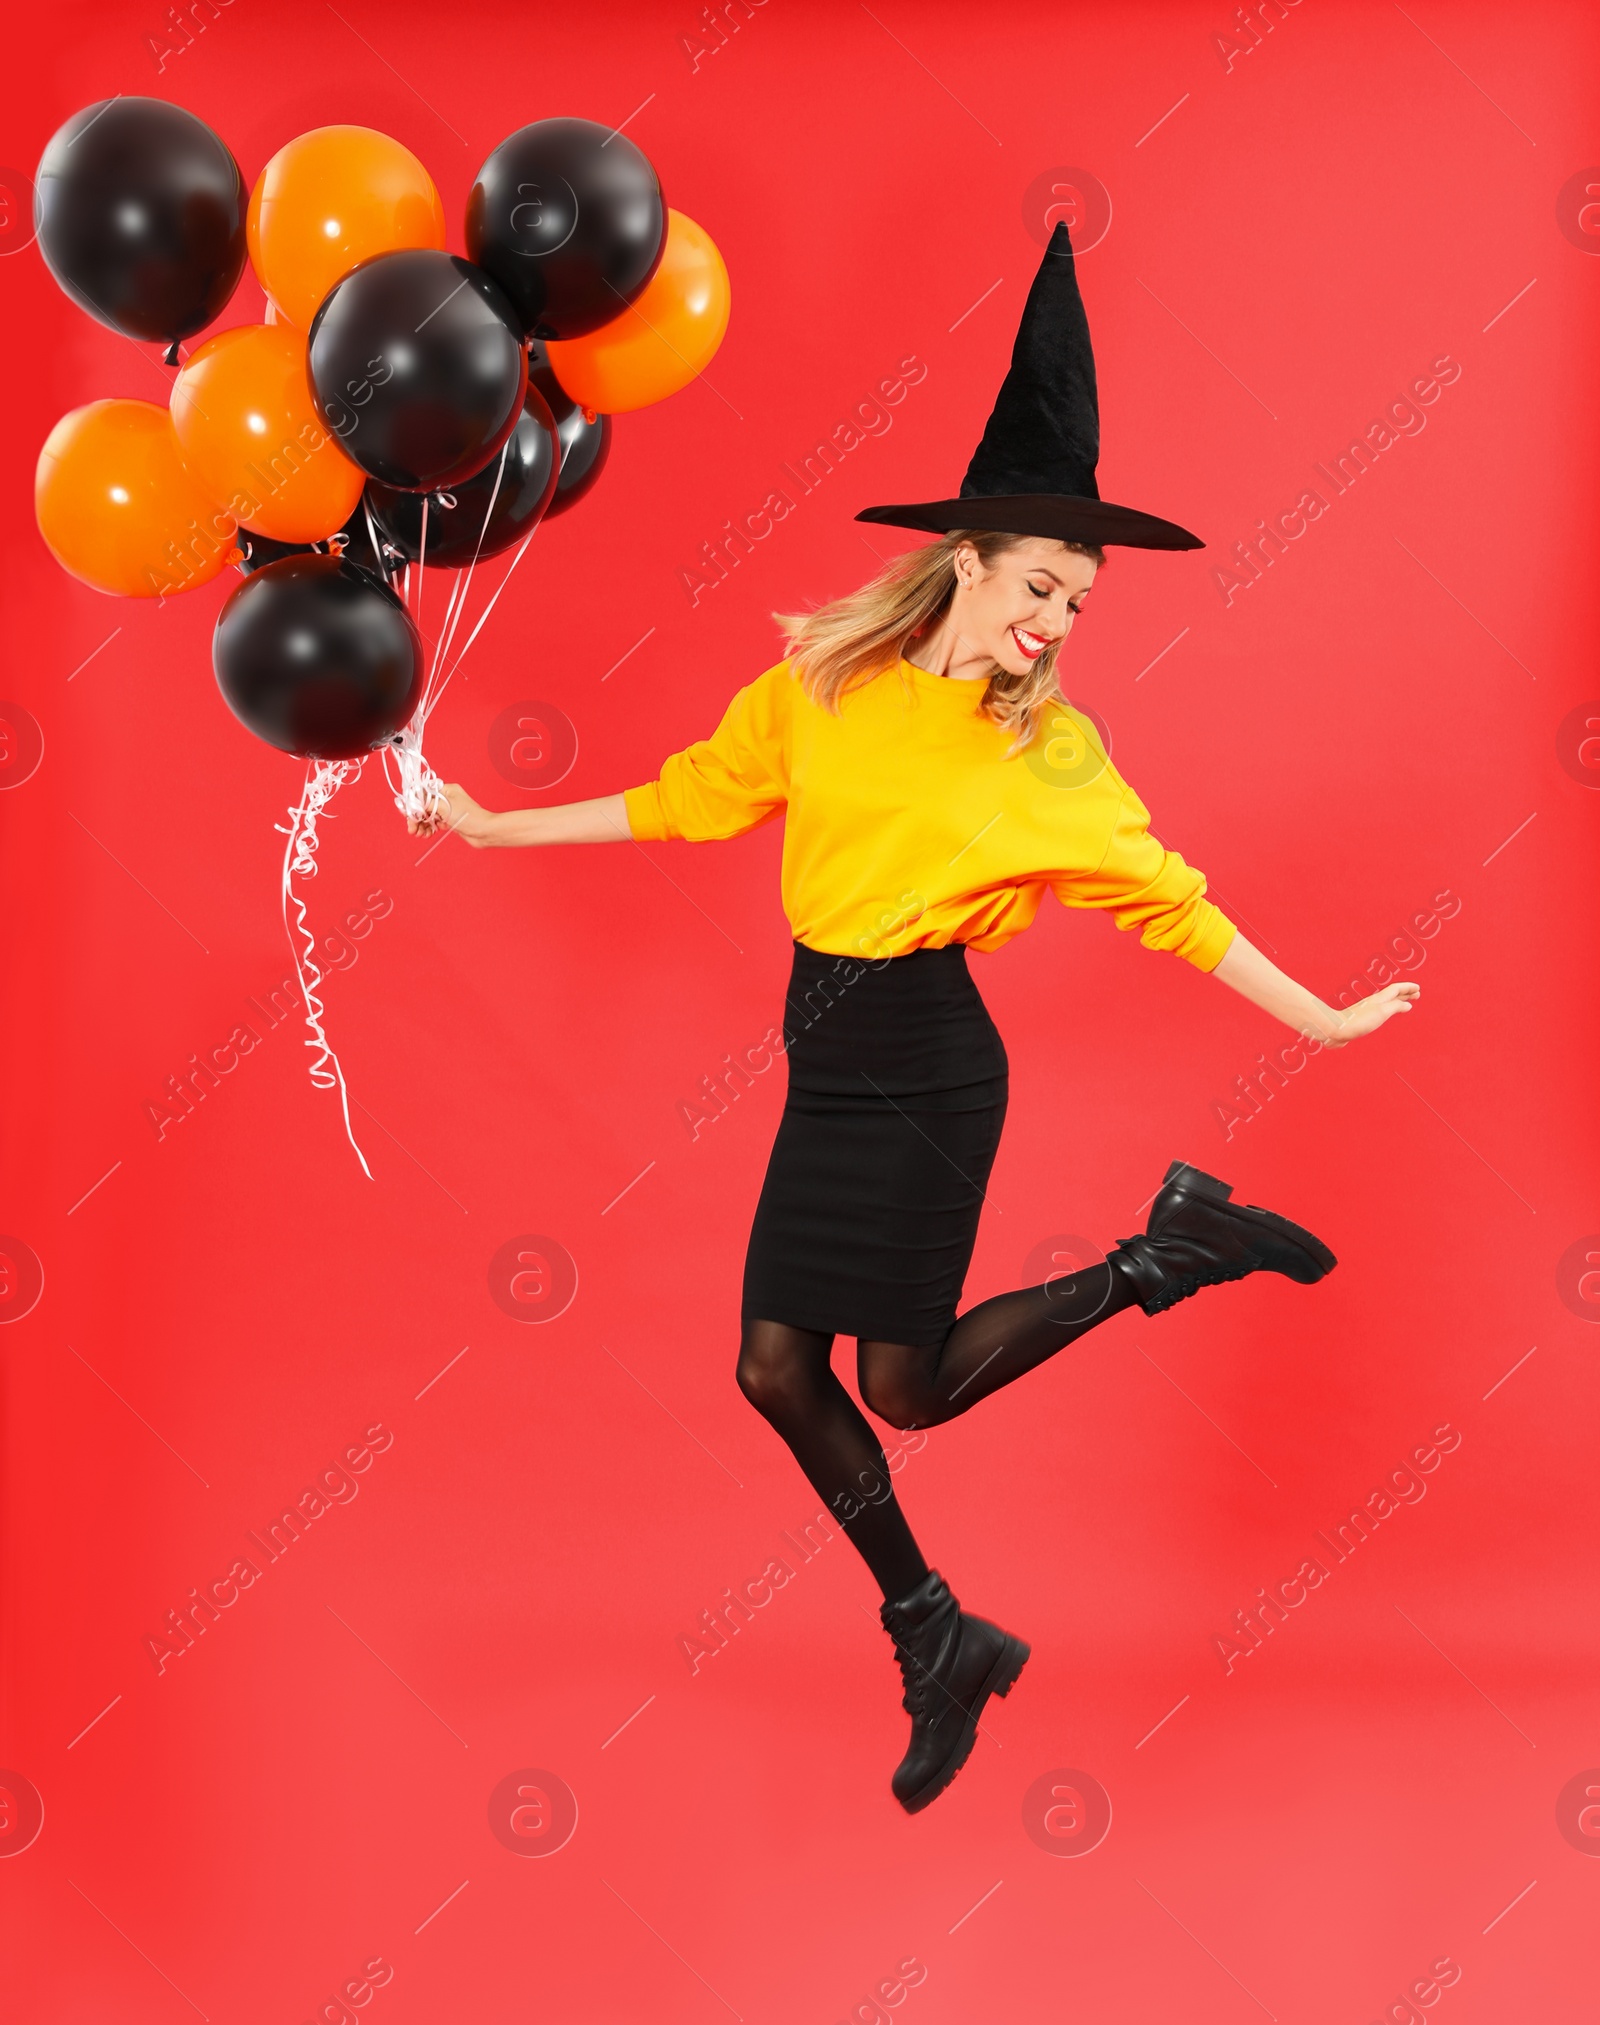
{"type": "Point", "coordinates": [455, 810]}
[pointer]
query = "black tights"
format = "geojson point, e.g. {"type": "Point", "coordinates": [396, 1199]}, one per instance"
{"type": "Point", "coordinates": [788, 1374]}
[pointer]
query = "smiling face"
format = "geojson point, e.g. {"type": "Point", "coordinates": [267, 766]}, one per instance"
{"type": "Point", "coordinates": [1026, 601]}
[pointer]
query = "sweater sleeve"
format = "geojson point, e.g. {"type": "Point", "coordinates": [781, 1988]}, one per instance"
{"type": "Point", "coordinates": [728, 783]}
{"type": "Point", "coordinates": [1145, 886]}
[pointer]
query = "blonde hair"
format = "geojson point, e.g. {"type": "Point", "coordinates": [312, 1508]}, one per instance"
{"type": "Point", "coordinates": [850, 640]}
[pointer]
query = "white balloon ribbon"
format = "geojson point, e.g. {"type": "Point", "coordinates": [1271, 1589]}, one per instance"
{"type": "Point", "coordinates": [418, 786]}
{"type": "Point", "coordinates": [415, 790]}
{"type": "Point", "coordinates": [324, 778]}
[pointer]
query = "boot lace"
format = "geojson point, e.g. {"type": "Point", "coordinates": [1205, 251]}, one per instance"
{"type": "Point", "coordinates": [915, 1676]}
{"type": "Point", "coordinates": [1182, 1285]}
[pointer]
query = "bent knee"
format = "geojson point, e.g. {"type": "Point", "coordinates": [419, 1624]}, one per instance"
{"type": "Point", "coordinates": [897, 1404]}
{"type": "Point", "coordinates": [894, 1383]}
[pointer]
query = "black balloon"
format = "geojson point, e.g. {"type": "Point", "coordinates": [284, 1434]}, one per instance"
{"type": "Point", "coordinates": [520, 480]}
{"type": "Point", "coordinates": [585, 436]}
{"type": "Point", "coordinates": [568, 217]}
{"type": "Point", "coordinates": [141, 217]}
{"type": "Point", "coordinates": [317, 657]}
{"type": "Point", "coordinates": [417, 368]}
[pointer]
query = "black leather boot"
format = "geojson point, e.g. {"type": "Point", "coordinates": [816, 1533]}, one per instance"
{"type": "Point", "coordinates": [1196, 1237]}
{"type": "Point", "coordinates": [952, 1663]}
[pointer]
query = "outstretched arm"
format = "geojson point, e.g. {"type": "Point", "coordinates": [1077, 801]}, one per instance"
{"type": "Point", "coordinates": [602, 821]}
{"type": "Point", "coordinates": [1255, 978]}
{"type": "Point", "coordinates": [719, 787]}
{"type": "Point", "coordinates": [1150, 888]}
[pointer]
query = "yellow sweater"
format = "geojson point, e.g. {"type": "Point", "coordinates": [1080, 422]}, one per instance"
{"type": "Point", "coordinates": [909, 828]}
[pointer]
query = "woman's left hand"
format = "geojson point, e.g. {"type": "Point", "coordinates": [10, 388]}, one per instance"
{"type": "Point", "coordinates": [1368, 1014]}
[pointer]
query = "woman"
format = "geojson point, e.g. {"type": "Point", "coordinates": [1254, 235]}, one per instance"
{"type": "Point", "coordinates": [934, 783]}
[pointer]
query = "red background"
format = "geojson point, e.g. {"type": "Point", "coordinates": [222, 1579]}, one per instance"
{"type": "Point", "coordinates": [229, 1307]}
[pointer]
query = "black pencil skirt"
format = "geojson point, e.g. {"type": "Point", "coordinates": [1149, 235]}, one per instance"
{"type": "Point", "coordinates": [897, 1095]}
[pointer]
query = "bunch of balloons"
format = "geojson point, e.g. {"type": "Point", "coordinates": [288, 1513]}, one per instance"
{"type": "Point", "coordinates": [400, 404]}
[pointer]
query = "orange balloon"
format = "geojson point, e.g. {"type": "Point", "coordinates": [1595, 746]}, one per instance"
{"type": "Point", "coordinates": [120, 509]}
{"type": "Point", "coordinates": [666, 335]}
{"type": "Point", "coordinates": [248, 429]}
{"type": "Point", "coordinates": [334, 197]}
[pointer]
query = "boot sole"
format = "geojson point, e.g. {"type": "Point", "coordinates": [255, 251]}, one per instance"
{"type": "Point", "coordinates": [1196, 1182]}
{"type": "Point", "coordinates": [1001, 1679]}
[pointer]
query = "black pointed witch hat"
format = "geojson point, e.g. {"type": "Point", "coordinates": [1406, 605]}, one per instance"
{"type": "Point", "coordinates": [1033, 472]}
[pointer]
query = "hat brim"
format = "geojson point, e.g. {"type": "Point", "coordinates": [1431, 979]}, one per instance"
{"type": "Point", "coordinates": [1053, 515]}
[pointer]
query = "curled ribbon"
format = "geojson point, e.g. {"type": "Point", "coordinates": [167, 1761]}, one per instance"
{"type": "Point", "coordinates": [324, 778]}
{"type": "Point", "coordinates": [415, 790]}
